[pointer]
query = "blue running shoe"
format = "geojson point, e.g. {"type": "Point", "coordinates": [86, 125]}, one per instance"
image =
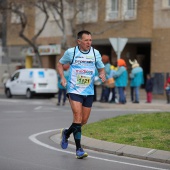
{"type": "Point", "coordinates": [80, 154]}
{"type": "Point", "coordinates": [64, 140]}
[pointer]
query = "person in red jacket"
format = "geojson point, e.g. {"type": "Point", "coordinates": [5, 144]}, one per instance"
{"type": "Point", "coordinates": [149, 88]}
{"type": "Point", "coordinates": [167, 89]}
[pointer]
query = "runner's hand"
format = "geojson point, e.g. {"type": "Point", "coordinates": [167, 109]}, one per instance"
{"type": "Point", "coordinates": [102, 77]}
{"type": "Point", "coordinates": [63, 82]}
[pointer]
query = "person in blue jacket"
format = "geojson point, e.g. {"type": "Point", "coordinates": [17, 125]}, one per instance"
{"type": "Point", "coordinates": [105, 90]}
{"type": "Point", "coordinates": [136, 77]}
{"type": "Point", "coordinates": [113, 69]}
{"type": "Point", "coordinates": [97, 82]}
{"type": "Point", "coordinates": [121, 80]}
{"type": "Point", "coordinates": [61, 89]}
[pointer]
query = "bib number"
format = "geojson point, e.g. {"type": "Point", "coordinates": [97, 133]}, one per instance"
{"type": "Point", "coordinates": [83, 80]}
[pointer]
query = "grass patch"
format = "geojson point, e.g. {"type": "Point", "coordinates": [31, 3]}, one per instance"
{"type": "Point", "coordinates": [149, 130]}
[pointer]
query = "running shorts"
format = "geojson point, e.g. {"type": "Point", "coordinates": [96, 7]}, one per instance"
{"type": "Point", "coordinates": [86, 101]}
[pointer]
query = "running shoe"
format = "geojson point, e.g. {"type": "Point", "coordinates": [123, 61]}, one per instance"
{"type": "Point", "coordinates": [64, 140]}
{"type": "Point", "coordinates": [80, 154]}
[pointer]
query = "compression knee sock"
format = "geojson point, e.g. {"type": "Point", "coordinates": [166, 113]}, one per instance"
{"type": "Point", "coordinates": [75, 128]}
{"type": "Point", "coordinates": [77, 136]}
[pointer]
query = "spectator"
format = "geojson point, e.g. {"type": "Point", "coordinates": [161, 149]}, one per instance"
{"type": "Point", "coordinates": [167, 89]}
{"type": "Point", "coordinates": [105, 90]}
{"type": "Point", "coordinates": [121, 80]}
{"type": "Point", "coordinates": [113, 89]}
{"type": "Point", "coordinates": [5, 77]}
{"type": "Point", "coordinates": [97, 82]}
{"type": "Point", "coordinates": [62, 90]}
{"type": "Point", "coordinates": [131, 91]}
{"type": "Point", "coordinates": [136, 77]}
{"type": "Point", "coordinates": [149, 88]}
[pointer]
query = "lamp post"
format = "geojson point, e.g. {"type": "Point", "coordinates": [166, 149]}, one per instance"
{"type": "Point", "coordinates": [3, 7]}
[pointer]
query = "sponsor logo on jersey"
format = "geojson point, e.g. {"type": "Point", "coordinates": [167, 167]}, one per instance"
{"type": "Point", "coordinates": [87, 72]}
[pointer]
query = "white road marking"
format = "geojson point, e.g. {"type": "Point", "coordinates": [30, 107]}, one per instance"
{"type": "Point", "coordinates": [45, 109]}
{"type": "Point", "coordinates": [34, 139]}
{"type": "Point", "coordinates": [14, 111]}
{"type": "Point", "coordinates": [38, 108]}
{"type": "Point", "coordinates": [8, 100]}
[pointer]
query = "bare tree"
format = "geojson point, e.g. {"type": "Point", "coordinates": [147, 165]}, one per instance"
{"type": "Point", "coordinates": [78, 13]}
{"type": "Point", "coordinates": [15, 6]}
{"type": "Point", "coordinates": [58, 9]}
{"type": "Point", "coordinates": [66, 12]}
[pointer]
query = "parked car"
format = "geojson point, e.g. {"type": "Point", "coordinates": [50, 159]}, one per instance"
{"type": "Point", "coordinates": [30, 82]}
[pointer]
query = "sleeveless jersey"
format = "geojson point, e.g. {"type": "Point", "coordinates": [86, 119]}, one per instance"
{"type": "Point", "coordinates": [82, 73]}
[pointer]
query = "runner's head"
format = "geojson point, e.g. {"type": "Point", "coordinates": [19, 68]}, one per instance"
{"type": "Point", "coordinates": [84, 40]}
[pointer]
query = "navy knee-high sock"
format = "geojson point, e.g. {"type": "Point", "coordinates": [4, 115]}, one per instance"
{"type": "Point", "coordinates": [77, 136]}
{"type": "Point", "coordinates": [75, 128]}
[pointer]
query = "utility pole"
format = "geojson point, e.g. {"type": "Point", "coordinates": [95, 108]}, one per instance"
{"type": "Point", "coordinates": [3, 4]}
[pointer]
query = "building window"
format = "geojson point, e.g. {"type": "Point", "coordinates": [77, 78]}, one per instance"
{"type": "Point", "coordinates": [112, 10]}
{"type": "Point", "coordinates": [88, 11]}
{"type": "Point", "coordinates": [121, 9]}
{"type": "Point", "coordinates": [129, 9]}
{"type": "Point", "coordinates": [166, 4]}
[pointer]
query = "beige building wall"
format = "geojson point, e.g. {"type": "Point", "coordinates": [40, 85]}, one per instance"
{"type": "Point", "coordinates": [161, 38]}
{"type": "Point", "coordinates": [160, 51]}
{"type": "Point", "coordinates": [161, 14]}
{"type": "Point", "coordinates": [139, 28]}
{"type": "Point", "coordinates": [48, 61]}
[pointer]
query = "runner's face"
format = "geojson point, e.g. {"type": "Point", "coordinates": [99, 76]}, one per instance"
{"type": "Point", "coordinates": [85, 42]}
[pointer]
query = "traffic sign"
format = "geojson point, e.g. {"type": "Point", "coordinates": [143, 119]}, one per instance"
{"type": "Point", "coordinates": [118, 44]}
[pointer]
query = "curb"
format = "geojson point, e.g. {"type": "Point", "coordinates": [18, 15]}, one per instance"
{"type": "Point", "coordinates": [120, 149]}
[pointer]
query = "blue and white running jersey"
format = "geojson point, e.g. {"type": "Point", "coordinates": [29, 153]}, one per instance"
{"type": "Point", "coordinates": [84, 63]}
{"type": "Point", "coordinates": [82, 73]}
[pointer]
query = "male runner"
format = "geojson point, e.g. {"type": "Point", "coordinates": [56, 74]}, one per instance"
{"type": "Point", "coordinates": [83, 60]}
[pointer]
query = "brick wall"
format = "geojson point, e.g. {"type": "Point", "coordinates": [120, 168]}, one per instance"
{"type": "Point", "coordinates": [160, 57]}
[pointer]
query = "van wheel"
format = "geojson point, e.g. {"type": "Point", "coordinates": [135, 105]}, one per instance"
{"type": "Point", "coordinates": [8, 93]}
{"type": "Point", "coordinates": [28, 94]}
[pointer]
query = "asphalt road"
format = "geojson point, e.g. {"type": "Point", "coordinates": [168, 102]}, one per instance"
{"type": "Point", "coordinates": [25, 130]}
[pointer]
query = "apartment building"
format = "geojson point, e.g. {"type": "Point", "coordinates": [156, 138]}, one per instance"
{"type": "Point", "coordinates": [117, 19]}
{"type": "Point", "coordinates": [144, 23]}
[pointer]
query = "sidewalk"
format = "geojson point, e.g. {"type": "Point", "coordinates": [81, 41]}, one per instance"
{"type": "Point", "coordinates": [156, 105]}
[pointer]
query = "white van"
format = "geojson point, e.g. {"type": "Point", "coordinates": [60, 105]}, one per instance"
{"type": "Point", "coordinates": [32, 81]}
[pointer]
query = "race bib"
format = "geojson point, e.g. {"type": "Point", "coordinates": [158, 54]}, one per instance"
{"type": "Point", "coordinates": [83, 80]}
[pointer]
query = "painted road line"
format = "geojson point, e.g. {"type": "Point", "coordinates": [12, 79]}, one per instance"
{"type": "Point", "coordinates": [34, 139]}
